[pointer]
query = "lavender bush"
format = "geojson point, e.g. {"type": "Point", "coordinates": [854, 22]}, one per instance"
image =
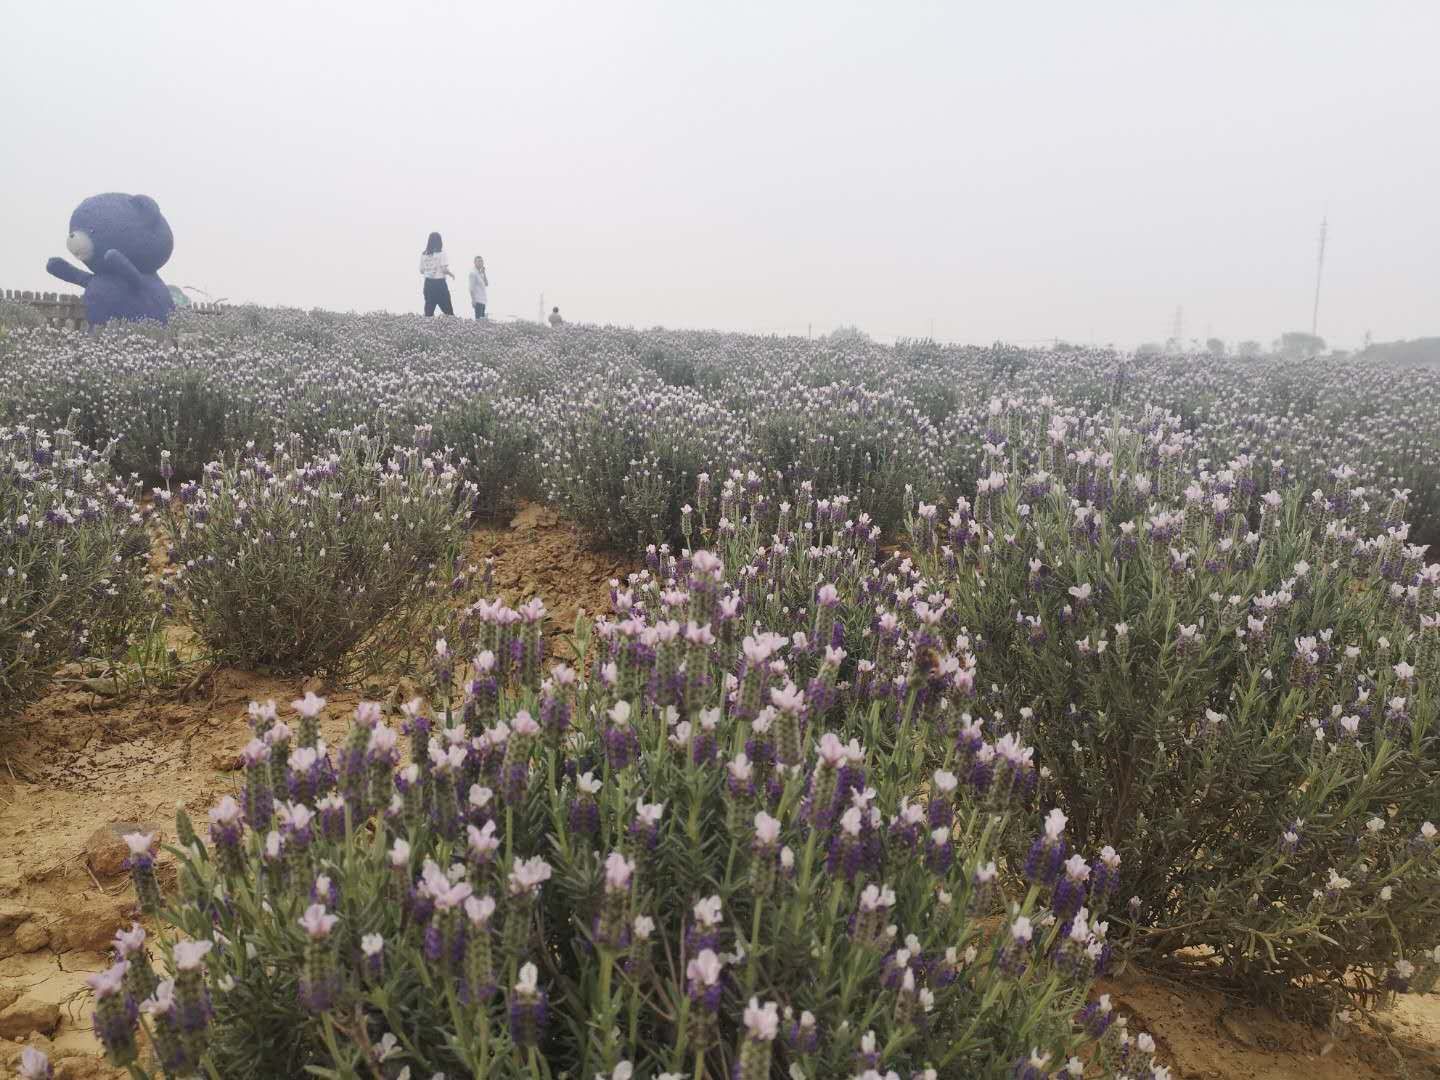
{"type": "Point", "coordinates": [625, 419]}
{"type": "Point", "coordinates": [683, 864]}
{"type": "Point", "coordinates": [294, 565]}
{"type": "Point", "coordinates": [1232, 685]}
{"type": "Point", "coordinates": [494, 440]}
{"type": "Point", "coordinates": [75, 559]}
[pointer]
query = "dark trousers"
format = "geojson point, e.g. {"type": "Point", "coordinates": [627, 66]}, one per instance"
{"type": "Point", "coordinates": [437, 294]}
{"type": "Point", "coordinates": [479, 311]}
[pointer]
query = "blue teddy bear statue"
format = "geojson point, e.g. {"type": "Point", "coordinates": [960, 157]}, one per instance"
{"type": "Point", "coordinates": [124, 240]}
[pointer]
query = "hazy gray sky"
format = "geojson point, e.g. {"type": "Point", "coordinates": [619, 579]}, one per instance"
{"type": "Point", "coordinates": [1017, 171]}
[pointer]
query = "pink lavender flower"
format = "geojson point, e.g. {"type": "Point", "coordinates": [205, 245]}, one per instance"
{"type": "Point", "coordinates": [645, 828]}
{"type": "Point", "coordinates": [515, 769]}
{"type": "Point", "coordinates": [478, 980]}
{"type": "Point", "coordinates": [703, 984]}
{"type": "Point", "coordinates": [309, 707]}
{"type": "Point", "coordinates": [703, 931]}
{"type": "Point", "coordinates": [612, 922]}
{"type": "Point", "coordinates": [528, 875]}
{"type": "Point", "coordinates": [320, 979]}
{"type": "Point", "coordinates": [527, 1008]}
{"type": "Point", "coordinates": [764, 850]}
{"type": "Point", "coordinates": [872, 915]}
{"type": "Point", "coordinates": [762, 1024]}
{"type": "Point", "coordinates": [372, 952]}
{"type": "Point", "coordinates": [115, 1014]}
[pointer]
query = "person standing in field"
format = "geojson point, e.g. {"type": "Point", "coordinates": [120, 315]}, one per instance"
{"type": "Point", "coordinates": [435, 268]}
{"type": "Point", "coordinates": [555, 319]}
{"type": "Point", "coordinates": [478, 284]}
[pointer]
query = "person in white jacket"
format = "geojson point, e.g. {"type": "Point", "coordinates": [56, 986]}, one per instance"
{"type": "Point", "coordinates": [479, 282]}
{"type": "Point", "coordinates": [435, 268]}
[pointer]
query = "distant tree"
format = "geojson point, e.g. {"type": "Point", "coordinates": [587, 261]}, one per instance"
{"type": "Point", "coordinates": [1295, 344]}
{"type": "Point", "coordinates": [846, 333]}
{"type": "Point", "coordinates": [1248, 349]}
{"type": "Point", "coordinates": [1420, 351]}
{"type": "Point", "coordinates": [1150, 348]}
{"type": "Point", "coordinates": [1216, 346]}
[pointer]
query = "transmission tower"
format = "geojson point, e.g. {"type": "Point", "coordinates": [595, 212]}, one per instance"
{"type": "Point", "coordinates": [1319, 270]}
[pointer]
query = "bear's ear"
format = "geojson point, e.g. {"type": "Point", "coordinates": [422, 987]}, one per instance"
{"type": "Point", "coordinates": [146, 204]}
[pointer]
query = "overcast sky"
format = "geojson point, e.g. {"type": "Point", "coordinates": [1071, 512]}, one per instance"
{"type": "Point", "coordinates": [994, 171]}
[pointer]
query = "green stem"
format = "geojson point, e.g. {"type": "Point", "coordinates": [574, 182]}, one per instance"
{"type": "Point", "coordinates": [752, 967]}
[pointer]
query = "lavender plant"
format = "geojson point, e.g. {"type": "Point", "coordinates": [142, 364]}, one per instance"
{"type": "Point", "coordinates": [625, 419]}
{"type": "Point", "coordinates": [313, 566]}
{"type": "Point", "coordinates": [494, 440]}
{"type": "Point", "coordinates": [675, 865]}
{"type": "Point", "coordinates": [1229, 684]}
{"type": "Point", "coordinates": [75, 561]}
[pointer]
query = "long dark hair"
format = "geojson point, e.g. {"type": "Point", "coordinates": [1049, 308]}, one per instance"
{"type": "Point", "coordinates": [434, 244]}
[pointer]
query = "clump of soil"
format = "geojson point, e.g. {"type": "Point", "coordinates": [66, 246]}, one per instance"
{"type": "Point", "coordinates": [1203, 1035]}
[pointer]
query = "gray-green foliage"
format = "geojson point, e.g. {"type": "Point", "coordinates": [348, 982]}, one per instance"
{"type": "Point", "coordinates": [74, 560]}
{"type": "Point", "coordinates": [290, 564]}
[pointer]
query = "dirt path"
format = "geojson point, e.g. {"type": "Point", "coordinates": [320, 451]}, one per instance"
{"type": "Point", "coordinates": [77, 763]}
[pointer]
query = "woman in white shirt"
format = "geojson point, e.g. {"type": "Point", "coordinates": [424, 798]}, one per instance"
{"type": "Point", "coordinates": [479, 284]}
{"type": "Point", "coordinates": [435, 268]}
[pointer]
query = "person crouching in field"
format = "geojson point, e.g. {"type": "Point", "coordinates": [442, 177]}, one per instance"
{"type": "Point", "coordinates": [555, 320]}
{"type": "Point", "coordinates": [478, 284]}
{"type": "Point", "coordinates": [435, 268]}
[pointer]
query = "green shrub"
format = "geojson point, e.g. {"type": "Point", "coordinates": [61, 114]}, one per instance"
{"type": "Point", "coordinates": [1234, 687]}
{"type": "Point", "coordinates": [494, 442]}
{"type": "Point", "coordinates": [74, 562]}
{"type": "Point", "coordinates": [292, 565]}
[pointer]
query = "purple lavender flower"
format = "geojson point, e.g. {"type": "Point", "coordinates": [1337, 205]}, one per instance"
{"type": "Point", "coordinates": [1095, 1018]}
{"type": "Point", "coordinates": [115, 1015]}
{"type": "Point", "coordinates": [1014, 954]}
{"type": "Point", "coordinates": [645, 827]}
{"type": "Point", "coordinates": [612, 923]}
{"type": "Point", "coordinates": [1071, 889]}
{"type": "Point", "coordinates": [226, 831]}
{"type": "Point", "coordinates": [141, 863]}
{"type": "Point", "coordinates": [259, 796]}
{"type": "Point", "coordinates": [1047, 854]}
{"type": "Point", "coordinates": [584, 815]}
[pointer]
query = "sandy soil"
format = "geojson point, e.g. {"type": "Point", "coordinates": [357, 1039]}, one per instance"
{"type": "Point", "coordinates": [79, 762]}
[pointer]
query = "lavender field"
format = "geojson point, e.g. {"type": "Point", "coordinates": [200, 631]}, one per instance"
{"type": "Point", "coordinates": [948, 682]}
